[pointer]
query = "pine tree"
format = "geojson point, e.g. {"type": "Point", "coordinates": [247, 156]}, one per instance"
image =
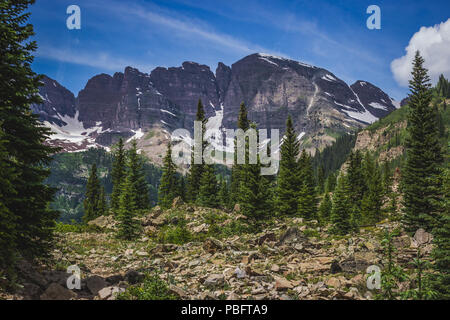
{"type": "Point", "coordinates": [330, 182]}
{"type": "Point", "coordinates": [441, 250]}
{"type": "Point", "coordinates": [224, 195]}
{"type": "Point", "coordinates": [321, 179]}
{"type": "Point", "coordinates": [244, 124]}
{"type": "Point", "coordinates": [128, 227]}
{"type": "Point", "coordinates": [208, 193]}
{"type": "Point", "coordinates": [342, 207]}
{"type": "Point", "coordinates": [118, 174]}
{"type": "Point", "coordinates": [24, 135]}
{"type": "Point", "coordinates": [355, 218]}
{"type": "Point", "coordinates": [307, 197]}
{"type": "Point", "coordinates": [136, 175]}
{"type": "Point", "coordinates": [255, 192]}
{"type": "Point", "coordinates": [325, 209]}
{"type": "Point", "coordinates": [8, 222]}
{"type": "Point", "coordinates": [92, 200]}
{"type": "Point", "coordinates": [387, 178]}
{"type": "Point", "coordinates": [356, 178]}
{"type": "Point", "coordinates": [373, 198]}
{"type": "Point", "coordinates": [102, 202]}
{"type": "Point", "coordinates": [421, 173]}
{"type": "Point", "coordinates": [168, 185]}
{"type": "Point", "coordinates": [288, 176]}
{"type": "Point", "coordinates": [196, 170]}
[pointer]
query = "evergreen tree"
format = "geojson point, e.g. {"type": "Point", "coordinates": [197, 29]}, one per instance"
{"type": "Point", "coordinates": [7, 219]}
{"type": "Point", "coordinates": [421, 174]}
{"type": "Point", "coordinates": [325, 209]}
{"type": "Point", "coordinates": [355, 218]}
{"type": "Point", "coordinates": [118, 174]}
{"type": "Point", "coordinates": [373, 198]}
{"type": "Point", "coordinates": [288, 176]}
{"type": "Point", "coordinates": [92, 200]}
{"type": "Point", "coordinates": [330, 182]}
{"type": "Point", "coordinates": [441, 250]}
{"type": "Point", "coordinates": [255, 192]}
{"type": "Point", "coordinates": [168, 185]}
{"type": "Point", "coordinates": [387, 178]}
{"type": "Point", "coordinates": [136, 175]}
{"type": "Point", "coordinates": [356, 178]}
{"type": "Point", "coordinates": [307, 197]}
{"type": "Point", "coordinates": [224, 195]}
{"type": "Point", "coordinates": [128, 227]}
{"type": "Point", "coordinates": [244, 124]}
{"type": "Point", "coordinates": [24, 136]}
{"type": "Point", "coordinates": [208, 193]}
{"type": "Point", "coordinates": [342, 207]}
{"type": "Point", "coordinates": [196, 170]}
{"type": "Point", "coordinates": [102, 202]}
{"type": "Point", "coordinates": [320, 180]}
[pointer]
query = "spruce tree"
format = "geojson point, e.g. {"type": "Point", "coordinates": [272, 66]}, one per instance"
{"type": "Point", "coordinates": [196, 170]}
{"type": "Point", "coordinates": [421, 174]}
{"type": "Point", "coordinates": [307, 197]}
{"type": "Point", "coordinates": [136, 175]}
{"type": "Point", "coordinates": [373, 198]}
{"type": "Point", "coordinates": [118, 174]}
{"type": "Point", "coordinates": [128, 227]}
{"type": "Point", "coordinates": [168, 185]}
{"type": "Point", "coordinates": [356, 177]}
{"type": "Point", "coordinates": [244, 124]}
{"type": "Point", "coordinates": [224, 194]}
{"type": "Point", "coordinates": [8, 222]}
{"type": "Point", "coordinates": [102, 202]}
{"type": "Point", "coordinates": [342, 207]}
{"type": "Point", "coordinates": [325, 209]}
{"type": "Point", "coordinates": [208, 191]}
{"type": "Point", "coordinates": [92, 199]}
{"type": "Point", "coordinates": [24, 135]}
{"type": "Point", "coordinates": [288, 176]}
{"type": "Point", "coordinates": [321, 179]}
{"type": "Point", "coordinates": [330, 182]}
{"type": "Point", "coordinates": [441, 241]}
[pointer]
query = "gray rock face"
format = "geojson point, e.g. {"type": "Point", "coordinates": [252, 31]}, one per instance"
{"type": "Point", "coordinates": [271, 87]}
{"type": "Point", "coordinates": [57, 102]}
{"type": "Point", "coordinates": [373, 98]}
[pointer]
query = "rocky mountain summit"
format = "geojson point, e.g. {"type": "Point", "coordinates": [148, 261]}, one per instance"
{"type": "Point", "coordinates": [133, 104]}
{"type": "Point", "coordinates": [215, 258]}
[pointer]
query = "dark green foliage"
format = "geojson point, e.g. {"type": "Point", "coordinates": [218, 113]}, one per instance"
{"type": "Point", "coordinates": [128, 228]}
{"type": "Point", "coordinates": [441, 251]}
{"type": "Point", "coordinates": [168, 188]}
{"type": "Point", "coordinates": [355, 218]}
{"type": "Point", "coordinates": [373, 198]}
{"type": "Point", "coordinates": [118, 174]}
{"type": "Point", "coordinates": [137, 178]}
{"type": "Point", "coordinates": [92, 201]}
{"type": "Point", "coordinates": [320, 180]}
{"type": "Point", "coordinates": [307, 197]}
{"type": "Point", "coordinates": [196, 170]}
{"type": "Point", "coordinates": [152, 288]}
{"type": "Point", "coordinates": [332, 157]}
{"type": "Point", "coordinates": [330, 183]}
{"type": "Point", "coordinates": [244, 124]}
{"type": "Point", "coordinates": [28, 217]}
{"type": "Point", "coordinates": [288, 176]}
{"type": "Point", "coordinates": [224, 193]}
{"type": "Point", "coordinates": [356, 178]}
{"type": "Point", "coordinates": [342, 207]}
{"type": "Point", "coordinates": [325, 209]}
{"type": "Point", "coordinates": [421, 173]}
{"type": "Point", "coordinates": [392, 274]}
{"type": "Point", "coordinates": [208, 193]}
{"type": "Point", "coordinates": [178, 234]}
{"type": "Point", "coordinates": [69, 175]}
{"type": "Point", "coordinates": [443, 87]}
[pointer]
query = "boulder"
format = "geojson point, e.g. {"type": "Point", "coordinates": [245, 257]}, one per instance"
{"type": "Point", "coordinates": [212, 245]}
{"type": "Point", "coordinates": [95, 284]}
{"type": "Point", "coordinates": [110, 293]}
{"type": "Point", "coordinates": [421, 237]}
{"type": "Point", "coordinates": [180, 293]}
{"type": "Point", "coordinates": [214, 280]}
{"type": "Point", "coordinates": [293, 234]}
{"type": "Point", "coordinates": [177, 202]}
{"type": "Point", "coordinates": [282, 284]}
{"type": "Point", "coordinates": [103, 222]}
{"type": "Point", "coordinates": [57, 292]}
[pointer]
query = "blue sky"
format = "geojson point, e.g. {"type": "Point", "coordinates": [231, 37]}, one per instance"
{"type": "Point", "coordinates": [147, 34]}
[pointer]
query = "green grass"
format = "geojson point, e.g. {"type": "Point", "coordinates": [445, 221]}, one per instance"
{"type": "Point", "coordinates": [152, 288]}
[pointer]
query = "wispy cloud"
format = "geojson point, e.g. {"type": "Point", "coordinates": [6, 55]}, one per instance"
{"type": "Point", "coordinates": [99, 60]}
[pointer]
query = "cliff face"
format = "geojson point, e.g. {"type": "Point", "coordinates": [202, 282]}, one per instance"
{"type": "Point", "coordinates": [132, 103]}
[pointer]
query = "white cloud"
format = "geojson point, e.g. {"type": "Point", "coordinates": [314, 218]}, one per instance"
{"type": "Point", "coordinates": [99, 60]}
{"type": "Point", "coordinates": [434, 46]}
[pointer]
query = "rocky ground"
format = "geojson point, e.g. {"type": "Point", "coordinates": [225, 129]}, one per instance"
{"type": "Point", "coordinates": [216, 258]}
